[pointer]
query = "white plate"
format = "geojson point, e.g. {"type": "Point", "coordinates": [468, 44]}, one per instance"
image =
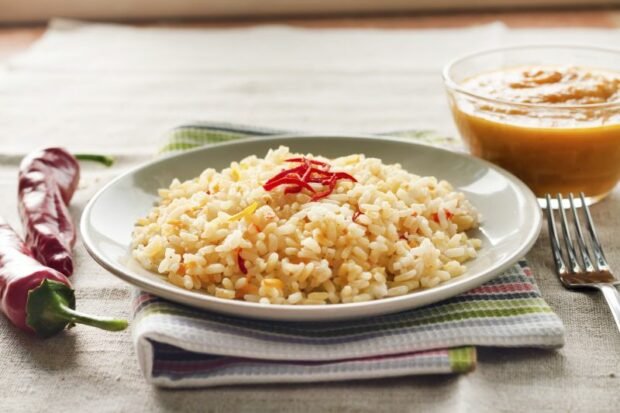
{"type": "Point", "coordinates": [511, 218]}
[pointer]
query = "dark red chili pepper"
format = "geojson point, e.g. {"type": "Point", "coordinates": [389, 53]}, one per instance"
{"type": "Point", "coordinates": [241, 262]}
{"type": "Point", "coordinates": [47, 181]}
{"type": "Point", "coordinates": [36, 298]}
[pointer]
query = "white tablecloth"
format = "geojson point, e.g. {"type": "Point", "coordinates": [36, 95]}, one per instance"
{"type": "Point", "coordinates": [115, 89]}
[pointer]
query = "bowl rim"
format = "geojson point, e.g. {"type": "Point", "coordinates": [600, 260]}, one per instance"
{"type": "Point", "coordinates": [451, 84]}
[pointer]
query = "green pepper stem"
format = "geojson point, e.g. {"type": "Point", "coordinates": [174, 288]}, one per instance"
{"type": "Point", "coordinates": [104, 323]}
{"type": "Point", "coordinates": [51, 308]}
{"type": "Point", "coordinates": [104, 159]}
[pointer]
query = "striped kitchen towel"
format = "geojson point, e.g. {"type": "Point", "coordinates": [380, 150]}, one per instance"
{"type": "Point", "coordinates": [179, 346]}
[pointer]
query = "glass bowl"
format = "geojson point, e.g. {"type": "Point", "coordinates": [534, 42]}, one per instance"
{"type": "Point", "coordinates": [553, 148]}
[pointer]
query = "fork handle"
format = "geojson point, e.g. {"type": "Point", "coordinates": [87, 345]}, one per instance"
{"type": "Point", "coordinates": [612, 296]}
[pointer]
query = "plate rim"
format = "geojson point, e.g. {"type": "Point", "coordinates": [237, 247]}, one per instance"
{"type": "Point", "coordinates": [312, 312]}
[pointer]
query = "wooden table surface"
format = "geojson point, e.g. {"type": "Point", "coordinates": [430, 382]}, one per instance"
{"type": "Point", "coordinates": [14, 39]}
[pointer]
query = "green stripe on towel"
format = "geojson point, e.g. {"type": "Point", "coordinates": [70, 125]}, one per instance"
{"type": "Point", "coordinates": [462, 359]}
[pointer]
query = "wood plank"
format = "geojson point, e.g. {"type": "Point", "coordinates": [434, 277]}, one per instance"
{"type": "Point", "coordinates": [14, 39]}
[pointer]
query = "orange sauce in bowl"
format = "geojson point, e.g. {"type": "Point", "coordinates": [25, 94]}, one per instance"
{"type": "Point", "coordinates": [556, 128]}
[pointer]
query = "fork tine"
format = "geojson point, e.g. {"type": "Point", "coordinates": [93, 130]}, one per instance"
{"type": "Point", "coordinates": [601, 262]}
{"type": "Point", "coordinates": [560, 267]}
{"type": "Point", "coordinates": [585, 253]}
{"type": "Point", "coordinates": [570, 248]}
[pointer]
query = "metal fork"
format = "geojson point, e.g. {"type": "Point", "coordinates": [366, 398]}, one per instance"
{"type": "Point", "coordinates": [593, 270]}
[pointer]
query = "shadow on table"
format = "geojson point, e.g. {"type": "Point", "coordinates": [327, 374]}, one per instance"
{"type": "Point", "coordinates": [431, 380]}
{"type": "Point", "coordinates": [488, 356]}
{"type": "Point", "coordinates": [54, 353]}
{"type": "Point", "coordinates": [338, 393]}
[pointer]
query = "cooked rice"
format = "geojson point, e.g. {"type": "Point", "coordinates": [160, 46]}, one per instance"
{"type": "Point", "coordinates": [302, 252]}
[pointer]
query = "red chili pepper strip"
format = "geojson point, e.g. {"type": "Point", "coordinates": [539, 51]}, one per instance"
{"type": "Point", "coordinates": [333, 180]}
{"type": "Point", "coordinates": [317, 180]}
{"type": "Point", "coordinates": [331, 186]}
{"type": "Point", "coordinates": [356, 215]}
{"type": "Point", "coordinates": [36, 298]}
{"type": "Point", "coordinates": [435, 216]}
{"type": "Point", "coordinates": [344, 175]}
{"type": "Point", "coordinates": [285, 173]}
{"type": "Point", "coordinates": [241, 262]}
{"type": "Point", "coordinates": [288, 180]}
{"type": "Point", "coordinates": [47, 181]}
{"type": "Point", "coordinates": [293, 190]}
{"type": "Point", "coordinates": [321, 172]}
{"type": "Point", "coordinates": [300, 177]}
{"type": "Point", "coordinates": [312, 161]}
{"type": "Point", "coordinates": [307, 174]}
